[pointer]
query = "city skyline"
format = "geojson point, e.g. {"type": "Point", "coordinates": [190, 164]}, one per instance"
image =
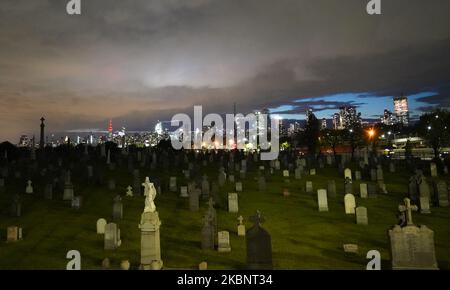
{"type": "Point", "coordinates": [140, 63]}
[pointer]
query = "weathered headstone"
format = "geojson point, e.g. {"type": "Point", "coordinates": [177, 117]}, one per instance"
{"type": "Point", "coordinates": [224, 241]}
{"type": "Point", "coordinates": [331, 188]}
{"type": "Point", "coordinates": [358, 175]}
{"type": "Point", "coordinates": [348, 173]}
{"type": "Point", "coordinates": [298, 173]}
{"type": "Point", "coordinates": [350, 203]}
{"type": "Point", "coordinates": [184, 191]}
{"type": "Point", "coordinates": [101, 224]}
{"type": "Point", "coordinates": [322, 199]}
{"type": "Point", "coordinates": [363, 192]}
{"type": "Point", "coordinates": [129, 192]}
{"type": "Point", "coordinates": [361, 216]}
{"type": "Point", "coordinates": [309, 187]}
{"type": "Point", "coordinates": [442, 192]}
{"type": "Point", "coordinates": [76, 202]}
{"type": "Point", "coordinates": [194, 199]}
{"type": "Point", "coordinates": [433, 169]}
{"type": "Point", "coordinates": [238, 186]}
{"type": "Point", "coordinates": [112, 237]}
{"type": "Point", "coordinates": [348, 186]}
{"type": "Point", "coordinates": [412, 247]}
{"type": "Point", "coordinates": [149, 226]}
{"type": "Point", "coordinates": [259, 246]}
{"type": "Point", "coordinates": [13, 234]}
{"type": "Point", "coordinates": [173, 184]}
{"type": "Point", "coordinates": [312, 171]}
{"type": "Point", "coordinates": [241, 227]}
{"type": "Point", "coordinates": [233, 202]}
{"type": "Point", "coordinates": [29, 187]}
{"type": "Point", "coordinates": [117, 208]}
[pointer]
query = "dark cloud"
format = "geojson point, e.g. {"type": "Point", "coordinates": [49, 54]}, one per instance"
{"type": "Point", "coordinates": [143, 60]}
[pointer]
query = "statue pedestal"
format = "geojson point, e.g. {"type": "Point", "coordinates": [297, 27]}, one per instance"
{"type": "Point", "coordinates": [150, 242]}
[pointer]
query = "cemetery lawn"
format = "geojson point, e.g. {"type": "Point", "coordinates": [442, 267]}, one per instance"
{"type": "Point", "coordinates": [302, 237]}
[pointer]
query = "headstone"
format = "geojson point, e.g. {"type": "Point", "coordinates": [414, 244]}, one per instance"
{"type": "Point", "coordinates": [380, 173]}
{"type": "Point", "coordinates": [222, 178]}
{"type": "Point", "coordinates": [309, 187]}
{"type": "Point", "coordinates": [173, 184]}
{"type": "Point", "coordinates": [233, 202]}
{"type": "Point", "coordinates": [194, 199]}
{"type": "Point", "coordinates": [68, 187]}
{"type": "Point", "coordinates": [117, 208]}
{"type": "Point", "coordinates": [129, 192]}
{"type": "Point", "coordinates": [13, 234]}
{"type": "Point", "coordinates": [348, 173]}
{"type": "Point", "coordinates": [238, 186]}
{"type": "Point", "coordinates": [76, 202]}
{"type": "Point", "coordinates": [29, 187]}
{"type": "Point", "coordinates": [125, 265]}
{"type": "Point", "coordinates": [149, 226]}
{"type": "Point", "coordinates": [241, 227]}
{"type": "Point", "coordinates": [285, 173]}
{"type": "Point", "coordinates": [382, 187]}
{"type": "Point", "coordinates": [259, 246]}
{"type": "Point", "coordinates": [312, 171]}
{"type": "Point", "coordinates": [433, 169]}
{"type": "Point", "coordinates": [208, 233]}
{"type": "Point", "coordinates": [16, 207]}
{"type": "Point", "coordinates": [322, 200]}
{"type": "Point", "coordinates": [184, 191]}
{"type": "Point", "coordinates": [331, 188]}
{"type": "Point", "coordinates": [372, 190]}
{"type": "Point", "coordinates": [424, 205]}
{"type": "Point", "coordinates": [412, 247]}
{"type": "Point", "coordinates": [106, 264]}
{"type": "Point", "coordinates": [442, 192]}
{"type": "Point", "coordinates": [298, 173]}
{"type": "Point", "coordinates": [203, 266]}
{"type": "Point", "coordinates": [363, 190]}
{"type": "Point", "coordinates": [112, 237]}
{"type": "Point", "coordinates": [361, 216]}
{"type": "Point", "coordinates": [350, 203]}
{"type": "Point", "coordinates": [358, 175]}
{"type": "Point", "coordinates": [101, 224]}
{"type": "Point", "coordinates": [224, 241]}
{"type": "Point", "coordinates": [205, 187]}
{"type": "Point", "coordinates": [350, 248]}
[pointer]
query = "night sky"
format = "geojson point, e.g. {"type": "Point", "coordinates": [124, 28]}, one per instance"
{"type": "Point", "coordinates": [139, 61]}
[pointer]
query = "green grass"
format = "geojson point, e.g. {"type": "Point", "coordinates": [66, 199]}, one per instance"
{"type": "Point", "coordinates": [302, 237]}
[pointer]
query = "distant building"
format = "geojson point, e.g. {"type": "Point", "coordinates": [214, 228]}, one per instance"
{"type": "Point", "coordinates": [401, 110]}
{"type": "Point", "coordinates": [24, 141]}
{"type": "Point", "coordinates": [324, 123]}
{"type": "Point", "coordinates": [308, 114]}
{"type": "Point", "coordinates": [388, 118]}
{"type": "Point", "coordinates": [336, 121]}
{"type": "Point", "coordinates": [348, 116]}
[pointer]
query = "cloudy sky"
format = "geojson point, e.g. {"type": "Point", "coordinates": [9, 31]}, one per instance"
{"type": "Point", "coordinates": [138, 61]}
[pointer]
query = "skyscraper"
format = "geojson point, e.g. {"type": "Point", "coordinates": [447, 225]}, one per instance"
{"type": "Point", "coordinates": [110, 130]}
{"type": "Point", "coordinates": [348, 116]}
{"type": "Point", "coordinates": [388, 118]}
{"type": "Point", "coordinates": [401, 110]}
{"type": "Point", "coordinates": [42, 141]}
{"type": "Point", "coordinates": [336, 121]}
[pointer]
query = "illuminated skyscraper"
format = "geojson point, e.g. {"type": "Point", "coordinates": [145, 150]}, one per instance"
{"type": "Point", "coordinates": [388, 118]}
{"type": "Point", "coordinates": [401, 110]}
{"type": "Point", "coordinates": [336, 121]}
{"type": "Point", "coordinates": [348, 117]}
{"type": "Point", "coordinates": [110, 130]}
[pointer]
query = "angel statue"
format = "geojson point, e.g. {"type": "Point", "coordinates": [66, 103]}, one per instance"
{"type": "Point", "coordinates": [150, 194]}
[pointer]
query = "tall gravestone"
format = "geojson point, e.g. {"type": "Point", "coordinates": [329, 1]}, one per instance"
{"type": "Point", "coordinates": [331, 188]}
{"type": "Point", "coordinates": [259, 245]}
{"type": "Point", "coordinates": [412, 247]}
{"type": "Point", "coordinates": [350, 203]}
{"type": "Point", "coordinates": [322, 200]}
{"type": "Point", "coordinates": [149, 226]}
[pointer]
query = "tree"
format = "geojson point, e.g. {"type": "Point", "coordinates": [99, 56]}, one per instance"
{"type": "Point", "coordinates": [354, 135]}
{"type": "Point", "coordinates": [312, 133]}
{"type": "Point", "coordinates": [332, 138]}
{"type": "Point", "coordinates": [434, 128]}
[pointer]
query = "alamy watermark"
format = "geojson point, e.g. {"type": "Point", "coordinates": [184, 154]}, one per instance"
{"type": "Point", "coordinates": [73, 7]}
{"type": "Point", "coordinates": [240, 132]}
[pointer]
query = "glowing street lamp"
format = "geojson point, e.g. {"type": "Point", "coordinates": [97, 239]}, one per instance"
{"type": "Point", "coordinates": [371, 133]}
